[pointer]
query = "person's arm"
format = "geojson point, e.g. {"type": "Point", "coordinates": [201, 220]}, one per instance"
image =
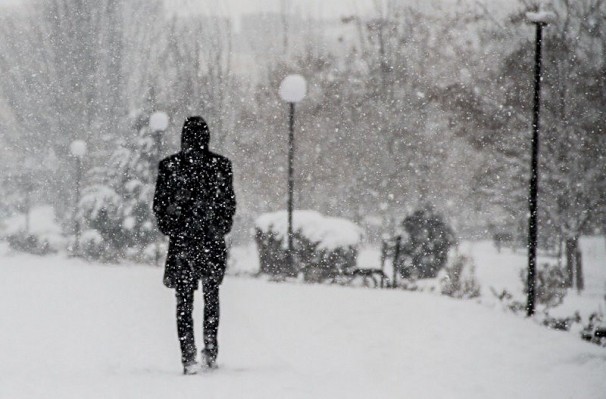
{"type": "Point", "coordinates": [164, 210]}
{"type": "Point", "coordinates": [227, 206]}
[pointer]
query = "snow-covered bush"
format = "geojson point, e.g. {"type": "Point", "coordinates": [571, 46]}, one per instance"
{"type": "Point", "coordinates": [154, 253]}
{"type": "Point", "coordinates": [550, 285]}
{"type": "Point", "coordinates": [595, 329]}
{"type": "Point", "coordinates": [117, 201]}
{"type": "Point", "coordinates": [509, 301]}
{"type": "Point", "coordinates": [322, 246]}
{"type": "Point", "coordinates": [561, 323]}
{"type": "Point", "coordinates": [30, 243]}
{"type": "Point", "coordinates": [105, 238]}
{"type": "Point", "coordinates": [458, 279]}
{"type": "Point", "coordinates": [94, 247]}
{"type": "Point", "coordinates": [425, 250]}
{"type": "Point", "coordinates": [36, 233]}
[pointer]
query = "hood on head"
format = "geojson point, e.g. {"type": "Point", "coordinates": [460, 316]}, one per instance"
{"type": "Point", "coordinates": [195, 135]}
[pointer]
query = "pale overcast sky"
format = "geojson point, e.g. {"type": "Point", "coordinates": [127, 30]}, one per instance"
{"type": "Point", "coordinates": [326, 8]}
{"type": "Point", "coordinates": [312, 8]}
{"type": "Point", "coordinates": [237, 7]}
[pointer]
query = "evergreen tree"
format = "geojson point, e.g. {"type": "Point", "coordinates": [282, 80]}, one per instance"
{"type": "Point", "coordinates": [428, 242]}
{"type": "Point", "coordinates": [117, 203]}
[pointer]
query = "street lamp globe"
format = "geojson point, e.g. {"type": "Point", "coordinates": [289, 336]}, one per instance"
{"type": "Point", "coordinates": [293, 88]}
{"type": "Point", "coordinates": [158, 121]}
{"type": "Point", "coordinates": [541, 17]}
{"type": "Point", "coordinates": [78, 148]}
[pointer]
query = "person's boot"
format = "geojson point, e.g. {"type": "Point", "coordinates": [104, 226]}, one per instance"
{"type": "Point", "coordinates": [190, 368]}
{"type": "Point", "coordinates": [209, 360]}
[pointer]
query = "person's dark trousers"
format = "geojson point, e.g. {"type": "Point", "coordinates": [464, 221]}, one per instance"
{"type": "Point", "coordinates": [185, 325]}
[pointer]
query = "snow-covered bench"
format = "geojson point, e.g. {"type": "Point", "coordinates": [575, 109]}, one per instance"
{"type": "Point", "coordinates": [323, 247]}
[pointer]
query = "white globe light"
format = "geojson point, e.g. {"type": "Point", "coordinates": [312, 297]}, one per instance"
{"type": "Point", "coordinates": [158, 121]}
{"type": "Point", "coordinates": [541, 17]}
{"type": "Point", "coordinates": [293, 88]}
{"type": "Point", "coordinates": [78, 148]}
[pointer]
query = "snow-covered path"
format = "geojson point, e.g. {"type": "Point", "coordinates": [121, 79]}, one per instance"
{"type": "Point", "coordinates": [69, 329]}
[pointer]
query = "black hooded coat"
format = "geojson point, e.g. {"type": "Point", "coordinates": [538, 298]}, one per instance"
{"type": "Point", "coordinates": [194, 204]}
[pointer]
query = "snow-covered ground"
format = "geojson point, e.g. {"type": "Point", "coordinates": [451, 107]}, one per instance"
{"type": "Point", "coordinates": [495, 272]}
{"type": "Point", "coordinates": [70, 329]}
{"type": "Point", "coordinates": [501, 271]}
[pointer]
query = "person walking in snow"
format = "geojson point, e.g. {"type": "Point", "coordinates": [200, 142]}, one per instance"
{"type": "Point", "coordinates": [194, 204]}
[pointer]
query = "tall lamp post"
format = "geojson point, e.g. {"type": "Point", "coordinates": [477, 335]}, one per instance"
{"type": "Point", "coordinates": [158, 122]}
{"type": "Point", "coordinates": [293, 89]}
{"type": "Point", "coordinates": [539, 19]}
{"type": "Point", "coordinates": [78, 150]}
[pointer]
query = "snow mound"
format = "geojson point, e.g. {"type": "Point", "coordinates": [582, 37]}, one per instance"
{"type": "Point", "coordinates": [329, 232]}
{"type": "Point", "coordinates": [42, 221]}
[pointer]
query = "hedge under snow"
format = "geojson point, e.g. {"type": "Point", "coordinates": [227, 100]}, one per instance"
{"type": "Point", "coordinates": [328, 232]}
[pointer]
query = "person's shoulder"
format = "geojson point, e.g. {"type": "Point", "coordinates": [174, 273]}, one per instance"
{"type": "Point", "coordinates": [220, 159]}
{"type": "Point", "coordinates": [170, 162]}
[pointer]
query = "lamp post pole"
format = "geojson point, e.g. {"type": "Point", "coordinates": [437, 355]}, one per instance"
{"type": "Point", "coordinates": [293, 89]}
{"type": "Point", "coordinates": [539, 19]}
{"type": "Point", "coordinates": [158, 138]}
{"type": "Point", "coordinates": [28, 191]}
{"type": "Point", "coordinates": [78, 150]}
{"type": "Point", "coordinates": [76, 220]}
{"type": "Point", "coordinates": [291, 181]}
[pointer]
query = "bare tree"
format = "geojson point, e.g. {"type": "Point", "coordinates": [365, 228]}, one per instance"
{"type": "Point", "coordinates": [196, 75]}
{"type": "Point", "coordinates": [66, 76]}
{"type": "Point", "coordinates": [572, 168]}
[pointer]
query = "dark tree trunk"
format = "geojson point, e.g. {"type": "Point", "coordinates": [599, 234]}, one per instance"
{"type": "Point", "coordinates": [574, 264]}
{"type": "Point", "coordinates": [571, 246]}
{"type": "Point", "coordinates": [579, 271]}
